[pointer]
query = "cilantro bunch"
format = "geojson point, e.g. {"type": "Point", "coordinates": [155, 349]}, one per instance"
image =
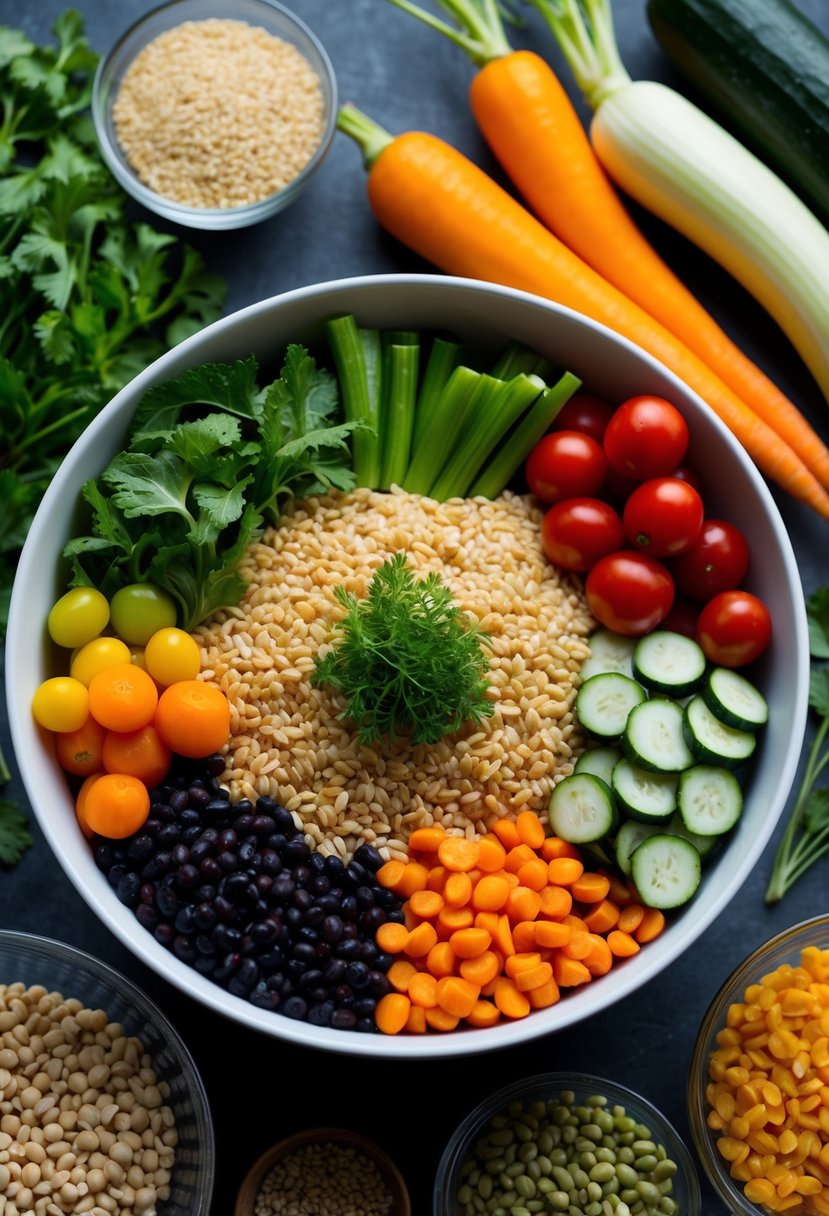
{"type": "Point", "coordinates": [88, 298]}
{"type": "Point", "coordinates": [406, 658]}
{"type": "Point", "coordinates": [806, 838]}
{"type": "Point", "coordinates": [210, 458]}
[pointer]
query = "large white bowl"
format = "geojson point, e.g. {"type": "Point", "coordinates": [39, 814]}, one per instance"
{"type": "Point", "coordinates": [479, 313]}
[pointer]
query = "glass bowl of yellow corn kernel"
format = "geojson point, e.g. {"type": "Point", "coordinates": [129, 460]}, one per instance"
{"type": "Point", "coordinates": [758, 1096]}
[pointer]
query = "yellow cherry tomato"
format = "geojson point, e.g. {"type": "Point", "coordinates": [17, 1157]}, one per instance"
{"type": "Point", "coordinates": [172, 655]}
{"type": "Point", "coordinates": [78, 616]}
{"type": "Point", "coordinates": [96, 656]}
{"type": "Point", "coordinates": [61, 704]}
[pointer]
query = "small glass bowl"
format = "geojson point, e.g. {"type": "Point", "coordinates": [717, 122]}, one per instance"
{"type": "Point", "coordinates": [546, 1087]}
{"type": "Point", "coordinates": [784, 947]}
{"type": "Point", "coordinates": [31, 960]}
{"type": "Point", "coordinates": [268, 14]}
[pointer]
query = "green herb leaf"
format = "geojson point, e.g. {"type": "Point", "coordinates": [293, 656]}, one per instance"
{"type": "Point", "coordinates": [15, 837]}
{"type": "Point", "coordinates": [819, 691]}
{"type": "Point", "coordinates": [817, 615]}
{"type": "Point", "coordinates": [816, 812]}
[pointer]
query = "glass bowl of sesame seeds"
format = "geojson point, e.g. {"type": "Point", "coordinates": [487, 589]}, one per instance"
{"type": "Point", "coordinates": [215, 113]}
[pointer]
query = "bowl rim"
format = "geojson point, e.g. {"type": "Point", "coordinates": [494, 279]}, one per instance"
{"type": "Point", "coordinates": [628, 978]}
{"type": "Point", "coordinates": [150, 1013]}
{"type": "Point", "coordinates": [212, 218]}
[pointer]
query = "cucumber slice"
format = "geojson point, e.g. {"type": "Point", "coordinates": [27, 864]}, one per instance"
{"type": "Point", "coordinates": [711, 740]}
{"type": "Point", "coordinates": [600, 761]}
{"type": "Point", "coordinates": [704, 845]}
{"type": "Point", "coordinates": [666, 870]}
{"type": "Point", "coordinates": [628, 838]}
{"type": "Point", "coordinates": [735, 700]}
{"type": "Point", "coordinates": [609, 651]}
{"type": "Point", "coordinates": [710, 799]}
{"type": "Point", "coordinates": [604, 701]}
{"type": "Point", "coordinates": [669, 663]}
{"type": "Point", "coordinates": [644, 795]}
{"type": "Point", "coordinates": [582, 809]}
{"type": "Point", "coordinates": [653, 737]}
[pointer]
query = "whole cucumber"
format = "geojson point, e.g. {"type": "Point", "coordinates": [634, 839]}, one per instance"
{"type": "Point", "coordinates": [765, 66]}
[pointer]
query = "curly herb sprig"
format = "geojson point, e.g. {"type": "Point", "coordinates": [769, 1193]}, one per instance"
{"type": "Point", "coordinates": [406, 658]}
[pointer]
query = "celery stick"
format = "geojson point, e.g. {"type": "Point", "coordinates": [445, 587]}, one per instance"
{"type": "Point", "coordinates": [349, 358]}
{"type": "Point", "coordinates": [492, 419]}
{"type": "Point", "coordinates": [443, 359]}
{"type": "Point", "coordinates": [516, 358]}
{"type": "Point", "coordinates": [447, 420]}
{"type": "Point", "coordinates": [506, 462]}
{"type": "Point", "coordinates": [372, 343]}
{"type": "Point", "coordinates": [400, 367]}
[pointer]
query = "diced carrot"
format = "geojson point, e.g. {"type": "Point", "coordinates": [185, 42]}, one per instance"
{"type": "Point", "coordinates": [523, 904]}
{"type": "Point", "coordinates": [488, 990]}
{"type": "Point", "coordinates": [392, 937]}
{"type": "Point", "coordinates": [599, 958]}
{"type": "Point", "coordinates": [456, 995]}
{"type": "Point", "coordinates": [619, 892]}
{"type": "Point", "coordinates": [481, 969]}
{"type": "Point", "coordinates": [564, 871]}
{"type": "Point", "coordinates": [483, 1013]}
{"type": "Point", "coordinates": [449, 920]}
{"type": "Point", "coordinates": [426, 904]}
{"type": "Point", "coordinates": [545, 995]}
{"type": "Point", "coordinates": [533, 977]}
{"type": "Point", "coordinates": [630, 918]}
{"type": "Point", "coordinates": [512, 880]}
{"type": "Point", "coordinates": [416, 1021]}
{"type": "Point", "coordinates": [390, 873]}
{"type": "Point", "coordinates": [511, 1002]}
{"type": "Point", "coordinates": [491, 893]}
{"type": "Point", "coordinates": [591, 888]}
{"type": "Point", "coordinates": [650, 926]}
{"type": "Point", "coordinates": [421, 940]}
{"type": "Point", "coordinates": [521, 962]}
{"type": "Point", "coordinates": [492, 854]}
{"type": "Point", "coordinates": [550, 934]}
{"type": "Point", "coordinates": [410, 918]}
{"type": "Point", "coordinates": [556, 902]}
{"type": "Point", "coordinates": [423, 990]}
{"type": "Point", "coordinates": [554, 847]}
{"type": "Point", "coordinates": [530, 829]}
{"type": "Point", "coordinates": [503, 937]}
{"type": "Point", "coordinates": [467, 943]}
{"type": "Point", "coordinates": [488, 921]}
{"type": "Point", "coordinates": [441, 960]}
{"type": "Point", "coordinates": [507, 832]}
{"type": "Point", "coordinates": [578, 945]}
{"type": "Point", "coordinates": [622, 944]}
{"type": "Point", "coordinates": [414, 878]}
{"type": "Point", "coordinates": [569, 972]}
{"type": "Point", "coordinates": [603, 917]}
{"type": "Point", "coordinates": [533, 874]}
{"type": "Point", "coordinates": [458, 854]}
{"type": "Point", "coordinates": [392, 1012]}
{"type": "Point", "coordinates": [437, 879]}
{"type": "Point", "coordinates": [458, 890]}
{"type": "Point", "coordinates": [399, 974]}
{"type": "Point", "coordinates": [517, 857]}
{"type": "Point", "coordinates": [426, 840]}
{"type": "Point", "coordinates": [523, 935]}
{"type": "Point", "coordinates": [439, 1019]}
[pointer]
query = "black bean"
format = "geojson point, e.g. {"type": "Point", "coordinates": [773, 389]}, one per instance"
{"type": "Point", "coordinates": [164, 933]}
{"type": "Point", "coordinates": [248, 849]}
{"type": "Point", "coordinates": [184, 949]}
{"type": "Point", "coordinates": [146, 916]}
{"type": "Point", "coordinates": [168, 835]}
{"type": "Point", "coordinates": [321, 1013]}
{"type": "Point", "coordinates": [343, 1019]}
{"type": "Point", "coordinates": [294, 1007]}
{"type": "Point", "coordinates": [357, 975]}
{"type": "Point", "coordinates": [367, 856]}
{"type": "Point", "coordinates": [209, 869]}
{"type": "Point", "coordinates": [263, 825]}
{"type": "Point", "coordinates": [378, 984]}
{"type": "Point", "coordinates": [166, 901]}
{"type": "Point", "coordinates": [178, 800]}
{"type": "Point", "coordinates": [366, 1025]}
{"type": "Point", "coordinates": [296, 851]}
{"type": "Point", "coordinates": [140, 847]}
{"type": "Point", "coordinates": [364, 1007]}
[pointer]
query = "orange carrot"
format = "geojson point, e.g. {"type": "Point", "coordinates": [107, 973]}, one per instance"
{"type": "Point", "coordinates": [392, 1012]}
{"type": "Point", "coordinates": [432, 198]}
{"type": "Point", "coordinates": [564, 871]}
{"type": "Point", "coordinates": [422, 990]}
{"type": "Point", "coordinates": [421, 940]}
{"type": "Point", "coordinates": [630, 918]}
{"type": "Point", "coordinates": [556, 902]}
{"type": "Point", "coordinates": [511, 1002]}
{"type": "Point", "coordinates": [458, 854]}
{"type": "Point", "coordinates": [392, 937]}
{"type": "Point", "coordinates": [483, 1013]}
{"type": "Point", "coordinates": [650, 926]}
{"type": "Point", "coordinates": [554, 847]}
{"type": "Point", "coordinates": [530, 829]}
{"type": "Point", "coordinates": [467, 943]}
{"type": "Point", "coordinates": [621, 943]}
{"type": "Point", "coordinates": [533, 874]}
{"type": "Point", "coordinates": [399, 974]}
{"type": "Point", "coordinates": [481, 969]}
{"type": "Point", "coordinates": [456, 995]}
{"type": "Point", "coordinates": [492, 854]}
{"type": "Point", "coordinates": [591, 888]}
{"type": "Point", "coordinates": [416, 1021]}
{"type": "Point", "coordinates": [491, 893]}
{"type": "Point", "coordinates": [544, 996]}
{"type": "Point", "coordinates": [426, 904]}
{"type": "Point", "coordinates": [458, 890]}
{"type": "Point", "coordinates": [569, 972]}
{"type": "Point", "coordinates": [507, 833]}
{"type": "Point", "coordinates": [426, 840]}
{"type": "Point", "coordinates": [603, 917]}
{"type": "Point", "coordinates": [441, 960]}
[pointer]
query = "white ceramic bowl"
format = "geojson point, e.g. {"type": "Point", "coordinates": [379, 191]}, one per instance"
{"type": "Point", "coordinates": [480, 314]}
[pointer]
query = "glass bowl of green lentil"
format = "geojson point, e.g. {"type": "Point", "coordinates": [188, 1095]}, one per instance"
{"type": "Point", "coordinates": [215, 113]}
{"type": "Point", "coordinates": [569, 1143]}
{"type": "Point", "coordinates": [115, 1092]}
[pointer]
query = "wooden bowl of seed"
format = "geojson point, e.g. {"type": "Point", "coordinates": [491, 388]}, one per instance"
{"type": "Point", "coordinates": [335, 1170]}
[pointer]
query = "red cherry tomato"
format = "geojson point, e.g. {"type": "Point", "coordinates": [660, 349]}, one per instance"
{"type": "Point", "coordinates": [734, 628]}
{"type": "Point", "coordinates": [585, 413]}
{"type": "Point", "coordinates": [629, 592]}
{"type": "Point", "coordinates": [576, 532]}
{"type": "Point", "coordinates": [716, 561]}
{"type": "Point", "coordinates": [663, 516]}
{"type": "Point", "coordinates": [683, 617]}
{"type": "Point", "coordinates": [565, 464]}
{"type": "Point", "coordinates": [683, 473]}
{"type": "Point", "coordinates": [646, 437]}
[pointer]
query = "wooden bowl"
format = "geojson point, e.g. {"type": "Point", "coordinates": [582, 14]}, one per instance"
{"type": "Point", "coordinates": [246, 1197]}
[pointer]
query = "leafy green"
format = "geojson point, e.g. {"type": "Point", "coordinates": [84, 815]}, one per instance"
{"type": "Point", "coordinates": [406, 658]}
{"type": "Point", "coordinates": [89, 298]}
{"type": "Point", "coordinates": [210, 459]}
{"type": "Point", "coordinates": [15, 837]}
{"type": "Point", "coordinates": [805, 840]}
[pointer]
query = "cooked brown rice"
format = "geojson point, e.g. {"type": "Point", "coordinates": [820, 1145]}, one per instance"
{"type": "Point", "coordinates": [286, 738]}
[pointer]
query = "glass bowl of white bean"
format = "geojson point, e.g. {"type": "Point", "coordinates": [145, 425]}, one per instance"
{"type": "Point", "coordinates": [578, 1144]}
{"type": "Point", "coordinates": [111, 1104]}
{"type": "Point", "coordinates": [215, 113]}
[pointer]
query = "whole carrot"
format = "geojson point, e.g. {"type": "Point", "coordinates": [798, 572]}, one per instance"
{"type": "Point", "coordinates": [441, 205]}
{"type": "Point", "coordinates": [532, 127]}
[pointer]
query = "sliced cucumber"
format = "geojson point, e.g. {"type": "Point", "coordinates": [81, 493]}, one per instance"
{"type": "Point", "coordinates": [710, 799]}
{"type": "Point", "coordinates": [704, 845]}
{"type": "Point", "coordinates": [604, 701]}
{"type": "Point", "coordinates": [599, 761]}
{"type": "Point", "coordinates": [669, 663]}
{"type": "Point", "coordinates": [628, 838]}
{"type": "Point", "coordinates": [609, 651]}
{"type": "Point", "coordinates": [666, 870]}
{"type": "Point", "coordinates": [582, 809]}
{"type": "Point", "coordinates": [644, 795]}
{"type": "Point", "coordinates": [735, 700]}
{"type": "Point", "coordinates": [711, 740]}
{"type": "Point", "coordinates": [653, 738]}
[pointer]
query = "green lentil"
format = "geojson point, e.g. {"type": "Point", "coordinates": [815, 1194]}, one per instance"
{"type": "Point", "coordinates": [558, 1156]}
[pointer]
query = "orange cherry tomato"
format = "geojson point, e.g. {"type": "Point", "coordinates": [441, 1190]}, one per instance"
{"type": "Point", "coordinates": [116, 805]}
{"type": "Point", "coordinates": [138, 753]}
{"type": "Point", "coordinates": [79, 751]}
{"type": "Point", "coordinates": [193, 718]}
{"type": "Point", "coordinates": [122, 697]}
{"type": "Point", "coordinates": [80, 803]}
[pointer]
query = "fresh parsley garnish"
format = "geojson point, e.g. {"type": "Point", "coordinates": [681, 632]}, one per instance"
{"type": "Point", "coordinates": [15, 837]}
{"type": "Point", "coordinates": [210, 459]}
{"type": "Point", "coordinates": [406, 658]}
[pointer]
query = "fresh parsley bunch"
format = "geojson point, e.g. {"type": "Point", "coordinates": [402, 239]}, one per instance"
{"type": "Point", "coordinates": [211, 457]}
{"type": "Point", "coordinates": [406, 658]}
